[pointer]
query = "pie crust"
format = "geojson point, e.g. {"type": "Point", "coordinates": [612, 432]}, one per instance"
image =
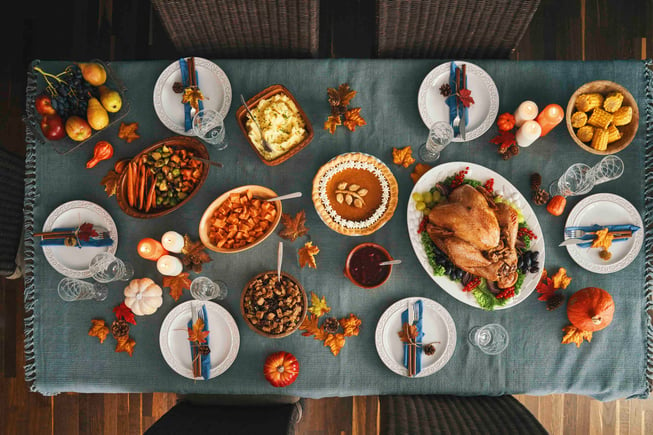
{"type": "Point", "coordinates": [355, 194]}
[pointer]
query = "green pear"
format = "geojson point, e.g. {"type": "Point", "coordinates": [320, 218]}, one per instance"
{"type": "Point", "coordinates": [110, 99]}
{"type": "Point", "coordinates": [94, 73]}
{"type": "Point", "coordinates": [96, 114]}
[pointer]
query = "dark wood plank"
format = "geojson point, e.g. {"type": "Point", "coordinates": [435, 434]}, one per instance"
{"type": "Point", "coordinates": [65, 411]}
{"type": "Point", "coordinates": [110, 423]}
{"type": "Point", "coordinates": [12, 291]}
{"type": "Point", "coordinates": [122, 419]}
{"type": "Point", "coordinates": [326, 416]}
{"type": "Point", "coordinates": [365, 414]}
{"type": "Point", "coordinates": [91, 413]}
{"type": "Point", "coordinates": [352, 27]}
{"type": "Point", "coordinates": [614, 32]}
{"type": "Point", "coordinates": [135, 413]}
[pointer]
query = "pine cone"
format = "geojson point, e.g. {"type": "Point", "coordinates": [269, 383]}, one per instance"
{"type": "Point", "coordinates": [204, 349]}
{"type": "Point", "coordinates": [177, 87]}
{"type": "Point", "coordinates": [445, 90]}
{"type": "Point", "coordinates": [514, 149]}
{"type": "Point", "coordinates": [429, 349]}
{"type": "Point", "coordinates": [506, 155]}
{"type": "Point", "coordinates": [119, 328]}
{"type": "Point", "coordinates": [540, 196]}
{"type": "Point", "coordinates": [554, 301]}
{"type": "Point", "coordinates": [536, 181]}
{"type": "Point", "coordinates": [331, 325]}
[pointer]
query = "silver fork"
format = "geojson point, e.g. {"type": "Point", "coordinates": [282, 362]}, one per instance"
{"type": "Point", "coordinates": [260, 132]}
{"type": "Point", "coordinates": [577, 233]}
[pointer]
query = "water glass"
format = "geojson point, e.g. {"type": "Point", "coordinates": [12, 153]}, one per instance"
{"type": "Point", "coordinates": [71, 289]}
{"type": "Point", "coordinates": [608, 169]}
{"type": "Point", "coordinates": [580, 178]}
{"type": "Point", "coordinates": [491, 339]}
{"type": "Point", "coordinates": [208, 125]}
{"type": "Point", "coordinates": [205, 289]}
{"type": "Point", "coordinates": [440, 135]}
{"type": "Point", "coordinates": [106, 267]}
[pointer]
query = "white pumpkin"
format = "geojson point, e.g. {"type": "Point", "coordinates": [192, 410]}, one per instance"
{"type": "Point", "coordinates": [143, 296]}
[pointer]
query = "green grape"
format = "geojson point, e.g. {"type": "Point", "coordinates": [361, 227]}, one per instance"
{"type": "Point", "coordinates": [436, 196]}
{"type": "Point", "coordinates": [426, 211]}
{"type": "Point", "coordinates": [417, 197]}
{"type": "Point", "coordinates": [427, 197]}
{"type": "Point", "coordinates": [420, 205]}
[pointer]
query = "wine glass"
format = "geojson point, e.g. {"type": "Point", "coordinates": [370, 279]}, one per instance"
{"type": "Point", "coordinates": [440, 135]}
{"type": "Point", "coordinates": [106, 267]}
{"type": "Point", "coordinates": [71, 289]}
{"type": "Point", "coordinates": [208, 125]}
{"type": "Point", "coordinates": [491, 339]}
{"type": "Point", "coordinates": [205, 289]}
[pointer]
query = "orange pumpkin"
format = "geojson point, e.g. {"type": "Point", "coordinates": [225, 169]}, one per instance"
{"type": "Point", "coordinates": [556, 205]}
{"type": "Point", "coordinates": [506, 121]}
{"type": "Point", "coordinates": [590, 309]}
{"type": "Point", "coordinates": [281, 369]}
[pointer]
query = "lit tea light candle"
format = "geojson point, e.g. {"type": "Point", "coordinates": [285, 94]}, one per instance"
{"type": "Point", "coordinates": [150, 249]}
{"type": "Point", "coordinates": [173, 241]}
{"type": "Point", "coordinates": [528, 133]}
{"type": "Point", "coordinates": [169, 265]}
{"type": "Point", "coordinates": [549, 117]}
{"type": "Point", "coordinates": [525, 112]}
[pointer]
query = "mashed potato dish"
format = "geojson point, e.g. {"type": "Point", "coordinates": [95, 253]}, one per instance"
{"type": "Point", "coordinates": [281, 123]}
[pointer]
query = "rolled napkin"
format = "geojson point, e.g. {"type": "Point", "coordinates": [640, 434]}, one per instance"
{"type": "Point", "coordinates": [595, 227]}
{"type": "Point", "coordinates": [205, 360]}
{"type": "Point", "coordinates": [185, 79]}
{"type": "Point", "coordinates": [452, 99]}
{"type": "Point", "coordinates": [418, 340]}
{"type": "Point", "coordinates": [93, 241]}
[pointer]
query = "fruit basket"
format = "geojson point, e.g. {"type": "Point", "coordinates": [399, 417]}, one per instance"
{"type": "Point", "coordinates": [70, 80]}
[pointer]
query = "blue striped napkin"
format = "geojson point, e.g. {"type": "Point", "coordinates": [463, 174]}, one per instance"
{"type": "Point", "coordinates": [205, 359]}
{"type": "Point", "coordinates": [93, 241]}
{"type": "Point", "coordinates": [451, 100]}
{"type": "Point", "coordinates": [420, 335]}
{"type": "Point", "coordinates": [183, 65]}
{"type": "Point", "coordinates": [595, 227]}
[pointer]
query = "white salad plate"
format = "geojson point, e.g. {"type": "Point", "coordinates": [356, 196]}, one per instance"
{"type": "Point", "coordinates": [72, 261]}
{"type": "Point", "coordinates": [437, 325]}
{"type": "Point", "coordinates": [433, 107]}
{"type": "Point", "coordinates": [224, 338]}
{"type": "Point", "coordinates": [606, 209]}
{"type": "Point", "coordinates": [213, 83]}
{"type": "Point", "coordinates": [502, 187]}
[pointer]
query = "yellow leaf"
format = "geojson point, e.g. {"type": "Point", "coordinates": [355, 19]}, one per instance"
{"type": "Point", "coordinates": [560, 279]}
{"type": "Point", "coordinates": [603, 239]}
{"type": "Point", "coordinates": [335, 342]}
{"type": "Point", "coordinates": [98, 329]}
{"type": "Point", "coordinates": [192, 96]}
{"type": "Point", "coordinates": [128, 132]}
{"type": "Point", "coordinates": [353, 119]}
{"type": "Point", "coordinates": [310, 325]}
{"type": "Point", "coordinates": [318, 306]}
{"type": "Point", "coordinates": [307, 255]}
{"type": "Point", "coordinates": [351, 325]}
{"type": "Point", "coordinates": [197, 333]}
{"type": "Point", "coordinates": [403, 157]}
{"type": "Point", "coordinates": [125, 344]}
{"type": "Point", "coordinates": [575, 335]}
{"type": "Point", "coordinates": [331, 123]}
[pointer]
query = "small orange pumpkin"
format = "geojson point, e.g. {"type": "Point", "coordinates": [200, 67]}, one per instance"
{"type": "Point", "coordinates": [506, 121]}
{"type": "Point", "coordinates": [556, 205]}
{"type": "Point", "coordinates": [281, 369]}
{"type": "Point", "coordinates": [590, 309]}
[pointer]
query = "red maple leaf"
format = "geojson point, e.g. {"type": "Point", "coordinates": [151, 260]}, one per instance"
{"type": "Point", "coordinates": [465, 97]}
{"type": "Point", "coordinates": [545, 288]}
{"type": "Point", "coordinates": [86, 231]}
{"type": "Point", "coordinates": [124, 312]}
{"type": "Point", "coordinates": [505, 139]}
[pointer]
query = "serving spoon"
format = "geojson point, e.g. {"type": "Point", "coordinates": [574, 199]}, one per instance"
{"type": "Point", "coordinates": [287, 196]}
{"type": "Point", "coordinates": [260, 132]}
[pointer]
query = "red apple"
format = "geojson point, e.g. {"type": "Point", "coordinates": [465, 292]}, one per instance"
{"type": "Point", "coordinates": [43, 105]}
{"type": "Point", "coordinates": [52, 127]}
{"type": "Point", "coordinates": [78, 128]}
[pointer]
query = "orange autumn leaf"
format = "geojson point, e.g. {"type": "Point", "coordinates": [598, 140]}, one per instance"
{"type": "Point", "coordinates": [575, 335]}
{"type": "Point", "coordinates": [293, 227]}
{"type": "Point", "coordinates": [335, 342]}
{"type": "Point", "coordinates": [353, 119]}
{"type": "Point", "coordinates": [98, 329]}
{"type": "Point", "coordinates": [197, 333]}
{"type": "Point", "coordinates": [560, 279]}
{"type": "Point", "coordinates": [194, 254]}
{"type": "Point", "coordinates": [331, 123]}
{"type": "Point", "coordinates": [307, 255]}
{"type": "Point", "coordinates": [420, 169]}
{"type": "Point", "coordinates": [110, 182]}
{"type": "Point", "coordinates": [603, 239]}
{"type": "Point", "coordinates": [408, 333]}
{"type": "Point", "coordinates": [128, 132]}
{"type": "Point", "coordinates": [177, 284]}
{"type": "Point", "coordinates": [341, 96]}
{"type": "Point", "coordinates": [310, 325]}
{"type": "Point", "coordinates": [125, 344]}
{"type": "Point", "coordinates": [192, 96]}
{"type": "Point", "coordinates": [318, 306]}
{"type": "Point", "coordinates": [351, 325]}
{"type": "Point", "coordinates": [403, 157]}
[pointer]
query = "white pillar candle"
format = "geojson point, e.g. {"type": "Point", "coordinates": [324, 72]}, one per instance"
{"type": "Point", "coordinates": [527, 133]}
{"type": "Point", "coordinates": [172, 241]}
{"type": "Point", "coordinates": [525, 112]}
{"type": "Point", "coordinates": [169, 265]}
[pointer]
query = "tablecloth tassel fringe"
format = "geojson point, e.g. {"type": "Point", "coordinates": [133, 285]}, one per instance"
{"type": "Point", "coordinates": [648, 221]}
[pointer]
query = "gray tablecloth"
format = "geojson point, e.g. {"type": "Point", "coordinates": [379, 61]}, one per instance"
{"type": "Point", "coordinates": [62, 357]}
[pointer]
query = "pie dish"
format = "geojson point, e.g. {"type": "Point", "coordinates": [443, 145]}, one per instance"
{"type": "Point", "coordinates": [355, 194]}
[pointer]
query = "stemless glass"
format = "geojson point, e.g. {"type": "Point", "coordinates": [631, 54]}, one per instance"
{"type": "Point", "coordinates": [71, 289]}
{"type": "Point", "coordinates": [205, 289]}
{"type": "Point", "coordinates": [440, 135]}
{"type": "Point", "coordinates": [491, 339]}
{"type": "Point", "coordinates": [106, 267]}
{"type": "Point", "coordinates": [208, 125]}
{"type": "Point", "coordinates": [580, 178]}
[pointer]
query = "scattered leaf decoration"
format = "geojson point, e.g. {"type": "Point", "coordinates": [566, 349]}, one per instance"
{"type": "Point", "coordinates": [86, 231]}
{"type": "Point", "coordinates": [351, 325]}
{"type": "Point", "coordinates": [318, 306]}
{"type": "Point", "coordinates": [293, 227]}
{"type": "Point", "coordinates": [560, 279]}
{"type": "Point", "coordinates": [545, 288]}
{"type": "Point", "coordinates": [465, 97]}
{"type": "Point", "coordinates": [197, 334]}
{"type": "Point", "coordinates": [307, 255]}
{"type": "Point", "coordinates": [335, 342]}
{"type": "Point", "coordinates": [125, 344]}
{"type": "Point", "coordinates": [603, 239]}
{"type": "Point", "coordinates": [125, 313]}
{"type": "Point", "coordinates": [341, 96]}
{"type": "Point", "coordinates": [192, 96]}
{"type": "Point", "coordinates": [339, 100]}
{"type": "Point", "coordinates": [354, 119]}
{"type": "Point", "coordinates": [128, 132]}
{"type": "Point", "coordinates": [194, 254]}
{"type": "Point", "coordinates": [403, 156]}
{"type": "Point", "coordinates": [408, 333]}
{"type": "Point", "coordinates": [311, 327]}
{"type": "Point", "coordinates": [419, 170]}
{"type": "Point", "coordinates": [110, 182]}
{"type": "Point", "coordinates": [177, 284]}
{"type": "Point", "coordinates": [575, 335]}
{"type": "Point", "coordinates": [504, 140]}
{"type": "Point", "coordinates": [98, 329]}
{"type": "Point", "coordinates": [331, 123]}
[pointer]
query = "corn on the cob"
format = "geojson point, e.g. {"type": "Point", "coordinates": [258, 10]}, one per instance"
{"type": "Point", "coordinates": [585, 133]}
{"type": "Point", "coordinates": [613, 133]}
{"type": "Point", "coordinates": [600, 118]}
{"type": "Point", "coordinates": [587, 102]}
{"type": "Point", "coordinates": [622, 116]}
{"type": "Point", "coordinates": [578, 119]}
{"type": "Point", "coordinates": [613, 101]}
{"type": "Point", "coordinates": [600, 139]}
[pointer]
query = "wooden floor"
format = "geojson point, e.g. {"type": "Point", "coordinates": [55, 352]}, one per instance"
{"type": "Point", "coordinates": [122, 30]}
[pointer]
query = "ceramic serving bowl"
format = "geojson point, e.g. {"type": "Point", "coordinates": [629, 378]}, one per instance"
{"type": "Point", "coordinates": [604, 87]}
{"type": "Point", "coordinates": [360, 267]}
{"type": "Point", "coordinates": [207, 220]}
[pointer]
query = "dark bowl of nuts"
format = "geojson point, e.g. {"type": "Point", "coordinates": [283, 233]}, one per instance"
{"type": "Point", "coordinates": [273, 307]}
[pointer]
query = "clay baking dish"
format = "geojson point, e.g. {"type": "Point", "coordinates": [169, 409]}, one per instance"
{"type": "Point", "coordinates": [241, 118]}
{"type": "Point", "coordinates": [189, 143]}
{"type": "Point", "coordinates": [604, 87]}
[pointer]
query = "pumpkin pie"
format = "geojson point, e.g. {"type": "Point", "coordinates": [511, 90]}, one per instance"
{"type": "Point", "coordinates": [355, 194]}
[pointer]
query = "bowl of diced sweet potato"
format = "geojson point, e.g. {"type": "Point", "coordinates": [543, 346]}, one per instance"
{"type": "Point", "coordinates": [602, 117]}
{"type": "Point", "coordinates": [239, 219]}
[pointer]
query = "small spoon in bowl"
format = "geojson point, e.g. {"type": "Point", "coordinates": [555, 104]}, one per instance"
{"type": "Point", "coordinates": [287, 196]}
{"type": "Point", "coordinates": [389, 262]}
{"type": "Point", "coordinates": [279, 260]}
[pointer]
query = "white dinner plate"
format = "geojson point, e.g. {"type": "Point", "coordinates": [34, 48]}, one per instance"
{"type": "Point", "coordinates": [72, 261]}
{"type": "Point", "coordinates": [433, 107]}
{"type": "Point", "coordinates": [606, 209]}
{"type": "Point", "coordinates": [437, 325]}
{"type": "Point", "coordinates": [505, 189]}
{"type": "Point", "coordinates": [224, 338]}
{"type": "Point", "coordinates": [213, 83]}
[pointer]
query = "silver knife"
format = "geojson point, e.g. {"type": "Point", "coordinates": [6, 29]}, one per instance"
{"type": "Point", "coordinates": [578, 241]}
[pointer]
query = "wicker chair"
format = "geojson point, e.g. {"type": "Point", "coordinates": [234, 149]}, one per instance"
{"type": "Point", "coordinates": [427, 415]}
{"type": "Point", "coordinates": [444, 29]}
{"type": "Point", "coordinates": [242, 29]}
{"type": "Point", "coordinates": [12, 168]}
